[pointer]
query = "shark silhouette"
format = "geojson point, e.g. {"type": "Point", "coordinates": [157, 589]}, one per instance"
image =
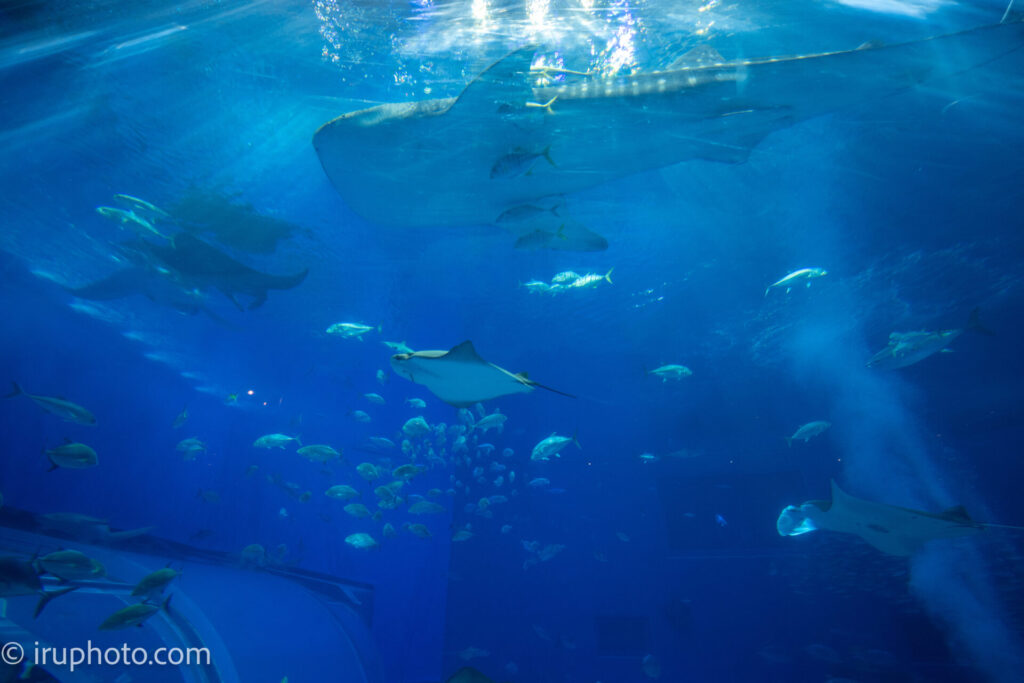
{"type": "Point", "coordinates": [200, 265]}
{"type": "Point", "coordinates": [439, 155]}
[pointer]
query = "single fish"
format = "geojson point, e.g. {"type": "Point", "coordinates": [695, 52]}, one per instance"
{"type": "Point", "coordinates": [495, 420]}
{"type": "Point", "coordinates": [804, 275]}
{"type": "Point", "coordinates": [552, 445]}
{"type": "Point", "coordinates": [71, 565]}
{"type": "Point", "coordinates": [62, 408]}
{"type": "Point", "coordinates": [524, 212]}
{"type": "Point", "coordinates": [181, 418]}
{"type": "Point", "coordinates": [350, 330]}
{"type": "Point", "coordinates": [319, 453]}
{"type": "Point", "coordinates": [72, 456]}
{"type": "Point", "coordinates": [808, 431]}
{"type": "Point", "coordinates": [342, 492]}
{"type": "Point", "coordinates": [276, 441]}
{"type": "Point", "coordinates": [362, 541]}
{"type": "Point", "coordinates": [671, 371]}
{"type": "Point", "coordinates": [154, 583]}
{"type": "Point", "coordinates": [519, 162]}
{"type": "Point", "coordinates": [132, 615]}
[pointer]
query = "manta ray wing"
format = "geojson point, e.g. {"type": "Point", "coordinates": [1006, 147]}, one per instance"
{"type": "Point", "coordinates": [892, 529]}
{"type": "Point", "coordinates": [197, 262]}
{"type": "Point", "coordinates": [461, 377]}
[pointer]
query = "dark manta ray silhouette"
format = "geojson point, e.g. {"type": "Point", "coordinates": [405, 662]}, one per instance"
{"type": "Point", "coordinates": [197, 263]}
{"type": "Point", "coordinates": [438, 154]}
{"type": "Point", "coordinates": [159, 287]}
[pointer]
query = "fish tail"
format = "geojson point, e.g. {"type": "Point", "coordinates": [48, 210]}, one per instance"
{"type": "Point", "coordinates": [789, 441]}
{"type": "Point", "coordinates": [576, 441]}
{"type": "Point", "coordinates": [547, 155]}
{"type": "Point", "coordinates": [608, 275]}
{"type": "Point", "coordinates": [973, 323]}
{"type": "Point", "coordinates": [554, 210]}
{"type": "Point", "coordinates": [16, 390]}
{"type": "Point", "coordinates": [298, 440]}
{"type": "Point", "coordinates": [50, 595]}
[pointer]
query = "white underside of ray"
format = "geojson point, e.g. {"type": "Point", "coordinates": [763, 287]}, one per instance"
{"type": "Point", "coordinates": [464, 383]}
{"type": "Point", "coordinates": [891, 529]}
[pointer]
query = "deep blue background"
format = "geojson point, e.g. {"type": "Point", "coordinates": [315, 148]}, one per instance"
{"type": "Point", "coordinates": [912, 203]}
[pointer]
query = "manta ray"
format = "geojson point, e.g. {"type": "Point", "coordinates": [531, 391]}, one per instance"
{"type": "Point", "coordinates": [158, 286]}
{"type": "Point", "coordinates": [200, 265]}
{"type": "Point", "coordinates": [893, 530]}
{"type": "Point", "coordinates": [440, 155]}
{"type": "Point", "coordinates": [460, 377]}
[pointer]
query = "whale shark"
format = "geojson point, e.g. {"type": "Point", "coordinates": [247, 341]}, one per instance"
{"type": "Point", "coordinates": [438, 155]}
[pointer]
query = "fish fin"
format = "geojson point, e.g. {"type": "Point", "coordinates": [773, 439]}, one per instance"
{"type": "Point", "coordinates": [16, 390]}
{"type": "Point", "coordinates": [53, 466]}
{"type": "Point", "coordinates": [464, 352]}
{"type": "Point", "coordinates": [547, 152]}
{"type": "Point", "coordinates": [767, 290]}
{"type": "Point", "coordinates": [50, 595]}
{"type": "Point", "coordinates": [608, 275]}
{"type": "Point", "coordinates": [788, 290]}
{"type": "Point", "coordinates": [974, 324]}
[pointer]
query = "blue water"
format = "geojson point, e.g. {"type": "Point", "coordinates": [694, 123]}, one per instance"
{"type": "Point", "coordinates": [912, 202]}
